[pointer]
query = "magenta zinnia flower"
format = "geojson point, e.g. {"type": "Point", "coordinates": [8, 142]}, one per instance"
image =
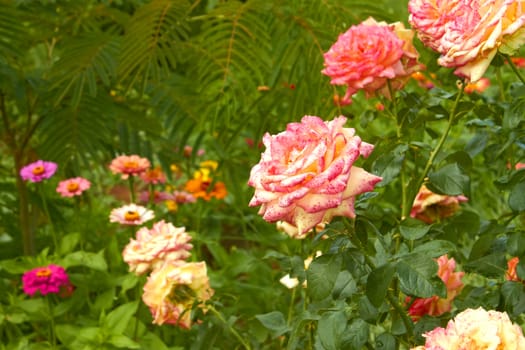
{"type": "Point", "coordinates": [73, 187]}
{"type": "Point", "coordinates": [48, 279]}
{"type": "Point", "coordinates": [38, 171]}
{"type": "Point", "coordinates": [131, 214]}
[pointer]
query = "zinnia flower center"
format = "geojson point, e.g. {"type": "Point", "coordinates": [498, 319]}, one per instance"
{"type": "Point", "coordinates": [72, 186]}
{"type": "Point", "coordinates": [131, 165]}
{"type": "Point", "coordinates": [45, 272]}
{"type": "Point", "coordinates": [131, 215]}
{"type": "Point", "coordinates": [38, 170]}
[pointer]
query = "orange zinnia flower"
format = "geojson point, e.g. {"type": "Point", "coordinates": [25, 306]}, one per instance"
{"type": "Point", "coordinates": [199, 188]}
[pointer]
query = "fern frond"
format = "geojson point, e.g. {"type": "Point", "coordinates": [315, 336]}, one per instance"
{"type": "Point", "coordinates": [151, 46]}
{"type": "Point", "coordinates": [73, 131]}
{"type": "Point", "coordinates": [86, 61]}
{"type": "Point", "coordinates": [233, 47]}
{"type": "Point", "coordinates": [13, 37]}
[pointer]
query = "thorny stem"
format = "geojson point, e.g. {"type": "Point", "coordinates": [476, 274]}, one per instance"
{"type": "Point", "coordinates": [131, 189]}
{"type": "Point", "coordinates": [230, 328]}
{"type": "Point", "coordinates": [437, 149]}
{"type": "Point", "coordinates": [390, 296]}
{"type": "Point", "coordinates": [46, 211]}
{"type": "Point", "coordinates": [514, 68]}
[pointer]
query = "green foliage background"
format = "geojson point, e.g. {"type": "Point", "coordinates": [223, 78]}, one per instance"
{"type": "Point", "coordinates": [84, 81]}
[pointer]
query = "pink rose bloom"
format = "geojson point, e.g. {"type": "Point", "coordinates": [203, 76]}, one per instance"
{"type": "Point", "coordinates": [164, 242]}
{"type": "Point", "coordinates": [429, 206]}
{"type": "Point", "coordinates": [131, 214]}
{"type": "Point", "coordinates": [306, 175]}
{"type": "Point", "coordinates": [476, 329]}
{"type": "Point", "coordinates": [51, 279]}
{"type": "Point", "coordinates": [73, 187]}
{"type": "Point", "coordinates": [38, 171]}
{"type": "Point", "coordinates": [129, 165]}
{"type": "Point", "coordinates": [519, 166]}
{"type": "Point", "coordinates": [173, 289]}
{"type": "Point", "coordinates": [367, 55]}
{"type": "Point", "coordinates": [435, 306]}
{"type": "Point", "coordinates": [469, 33]}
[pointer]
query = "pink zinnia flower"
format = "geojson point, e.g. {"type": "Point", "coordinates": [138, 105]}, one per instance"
{"type": "Point", "coordinates": [158, 196]}
{"type": "Point", "coordinates": [435, 306]}
{"type": "Point", "coordinates": [182, 197]}
{"type": "Point", "coordinates": [476, 329]}
{"type": "Point", "coordinates": [367, 55]}
{"type": "Point", "coordinates": [306, 175]}
{"type": "Point", "coordinates": [49, 279]}
{"type": "Point", "coordinates": [131, 214]}
{"type": "Point", "coordinates": [129, 165]}
{"type": "Point", "coordinates": [173, 289]}
{"type": "Point", "coordinates": [469, 33]}
{"type": "Point", "coordinates": [151, 248]}
{"type": "Point", "coordinates": [153, 176]}
{"type": "Point", "coordinates": [38, 171]}
{"type": "Point", "coordinates": [73, 187]}
{"type": "Point", "coordinates": [429, 206]}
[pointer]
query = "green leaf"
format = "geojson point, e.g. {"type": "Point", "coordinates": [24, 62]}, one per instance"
{"type": "Point", "coordinates": [377, 283]}
{"type": "Point", "coordinates": [275, 322]}
{"type": "Point", "coordinates": [330, 329]}
{"type": "Point", "coordinates": [152, 341]}
{"type": "Point", "coordinates": [385, 341]}
{"type": "Point", "coordinates": [491, 265]}
{"type": "Point", "coordinates": [516, 197]}
{"type": "Point", "coordinates": [413, 229]}
{"type": "Point", "coordinates": [367, 311]}
{"type": "Point", "coordinates": [435, 248]}
{"type": "Point", "coordinates": [417, 278]}
{"type": "Point", "coordinates": [118, 319]}
{"type": "Point", "coordinates": [356, 335]}
{"type": "Point", "coordinates": [450, 180]}
{"type": "Point", "coordinates": [513, 297]}
{"type": "Point", "coordinates": [69, 242]}
{"type": "Point", "coordinates": [388, 165]}
{"type": "Point", "coordinates": [94, 261]}
{"type": "Point", "coordinates": [322, 274]}
{"type": "Point", "coordinates": [345, 285]}
{"type": "Point", "coordinates": [121, 341]}
{"type": "Point", "coordinates": [516, 243]}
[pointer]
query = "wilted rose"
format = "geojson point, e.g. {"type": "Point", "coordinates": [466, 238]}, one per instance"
{"type": "Point", "coordinates": [306, 175]}
{"type": "Point", "coordinates": [173, 289]}
{"type": "Point", "coordinates": [429, 206]}
{"type": "Point", "coordinates": [469, 33]}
